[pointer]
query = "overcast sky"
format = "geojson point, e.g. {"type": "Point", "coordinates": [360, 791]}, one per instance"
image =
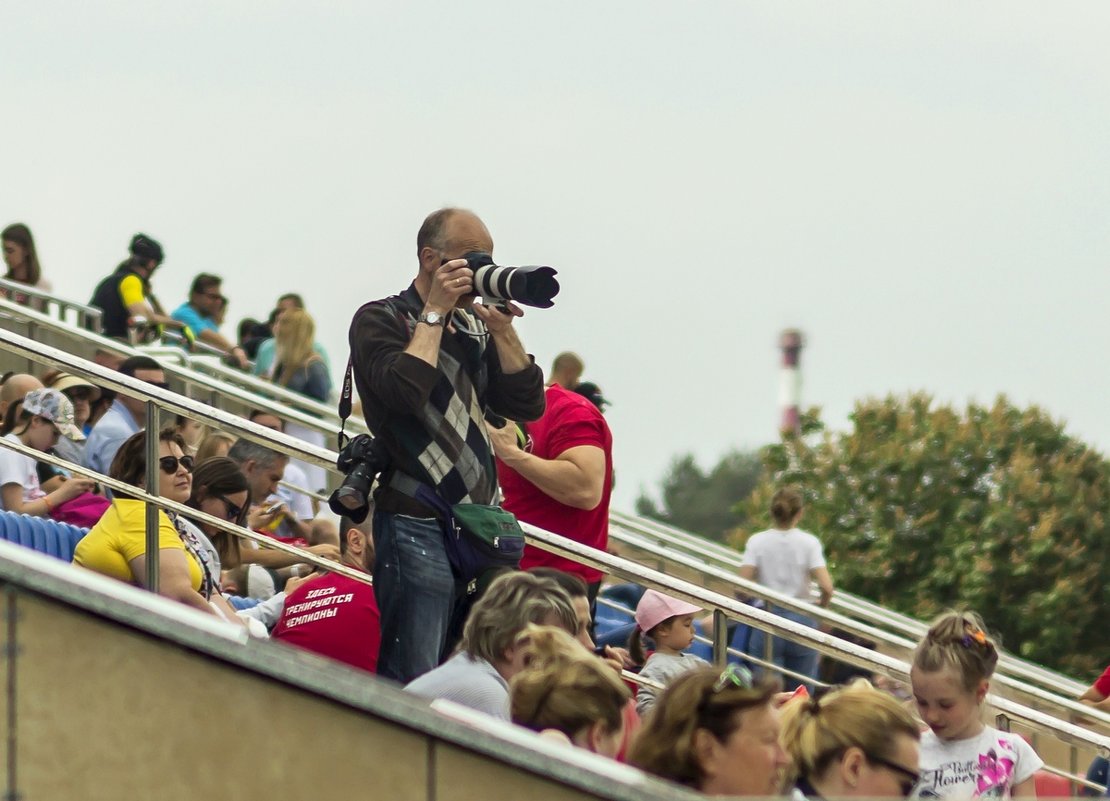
{"type": "Point", "coordinates": [923, 188]}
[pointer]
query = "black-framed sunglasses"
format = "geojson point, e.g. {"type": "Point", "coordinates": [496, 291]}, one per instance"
{"type": "Point", "coordinates": [169, 463]}
{"type": "Point", "coordinates": [910, 777]}
{"type": "Point", "coordinates": [234, 511]}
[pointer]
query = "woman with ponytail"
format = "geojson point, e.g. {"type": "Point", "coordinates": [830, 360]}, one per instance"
{"type": "Point", "coordinates": [962, 757]}
{"type": "Point", "coordinates": [786, 559]}
{"type": "Point", "coordinates": [855, 742]}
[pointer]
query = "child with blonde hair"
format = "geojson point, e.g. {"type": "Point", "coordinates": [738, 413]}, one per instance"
{"type": "Point", "coordinates": [961, 757]}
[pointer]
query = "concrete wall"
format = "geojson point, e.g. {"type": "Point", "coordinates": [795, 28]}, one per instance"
{"type": "Point", "coordinates": [91, 709]}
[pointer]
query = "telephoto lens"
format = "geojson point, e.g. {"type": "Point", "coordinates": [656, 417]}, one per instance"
{"type": "Point", "coordinates": [532, 286]}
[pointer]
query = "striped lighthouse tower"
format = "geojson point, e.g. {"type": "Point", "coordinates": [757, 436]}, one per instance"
{"type": "Point", "coordinates": [790, 379]}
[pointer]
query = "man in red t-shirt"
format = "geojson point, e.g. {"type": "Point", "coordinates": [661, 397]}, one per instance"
{"type": "Point", "coordinates": [334, 615]}
{"type": "Point", "coordinates": [559, 478]}
{"type": "Point", "coordinates": [1098, 694]}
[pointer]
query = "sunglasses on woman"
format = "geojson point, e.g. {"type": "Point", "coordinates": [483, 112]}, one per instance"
{"type": "Point", "coordinates": [909, 778]}
{"type": "Point", "coordinates": [169, 464]}
{"type": "Point", "coordinates": [234, 511]}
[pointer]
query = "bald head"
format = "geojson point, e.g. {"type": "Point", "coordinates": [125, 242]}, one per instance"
{"type": "Point", "coordinates": [17, 386]}
{"type": "Point", "coordinates": [566, 370]}
{"type": "Point", "coordinates": [453, 231]}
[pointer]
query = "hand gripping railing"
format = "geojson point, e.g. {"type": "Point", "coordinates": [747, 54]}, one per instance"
{"type": "Point", "coordinates": [87, 316]}
{"type": "Point", "coordinates": [198, 345]}
{"type": "Point", "coordinates": [650, 535]}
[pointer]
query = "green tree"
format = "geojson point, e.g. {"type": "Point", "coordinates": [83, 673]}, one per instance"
{"type": "Point", "coordinates": [706, 504]}
{"type": "Point", "coordinates": [923, 507]}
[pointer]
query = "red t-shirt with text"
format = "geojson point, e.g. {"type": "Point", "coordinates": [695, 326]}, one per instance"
{"type": "Point", "coordinates": [334, 616]}
{"type": "Point", "coordinates": [569, 421]}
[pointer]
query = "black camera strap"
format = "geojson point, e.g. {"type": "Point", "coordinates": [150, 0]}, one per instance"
{"type": "Point", "coordinates": [345, 395]}
{"type": "Point", "coordinates": [345, 404]}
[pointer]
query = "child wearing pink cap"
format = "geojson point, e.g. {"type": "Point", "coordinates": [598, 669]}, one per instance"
{"type": "Point", "coordinates": [669, 623]}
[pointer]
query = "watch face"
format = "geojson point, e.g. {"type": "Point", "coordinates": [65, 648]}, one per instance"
{"type": "Point", "coordinates": [433, 318]}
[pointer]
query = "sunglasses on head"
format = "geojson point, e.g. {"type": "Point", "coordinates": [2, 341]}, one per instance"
{"type": "Point", "coordinates": [169, 463]}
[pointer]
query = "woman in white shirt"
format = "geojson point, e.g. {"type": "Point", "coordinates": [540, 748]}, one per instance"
{"type": "Point", "coordinates": [786, 559]}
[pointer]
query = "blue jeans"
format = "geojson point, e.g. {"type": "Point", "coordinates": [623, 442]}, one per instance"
{"type": "Point", "coordinates": [785, 654]}
{"type": "Point", "coordinates": [415, 590]}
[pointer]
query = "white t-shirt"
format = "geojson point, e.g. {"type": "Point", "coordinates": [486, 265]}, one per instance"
{"type": "Point", "coordinates": [985, 766]}
{"type": "Point", "coordinates": [15, 468]}
{"type": "Point", "coordinates": [783, 560]}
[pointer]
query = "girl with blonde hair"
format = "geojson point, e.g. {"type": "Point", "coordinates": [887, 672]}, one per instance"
{"type": "Point", "coordinates": [297, 364]}
{"type": "Point", "coordinates": [855, 742]}
{"type": "Point", "coordinates": [962, 757]}
{"type": "Point", "coordinates": [567, 693]}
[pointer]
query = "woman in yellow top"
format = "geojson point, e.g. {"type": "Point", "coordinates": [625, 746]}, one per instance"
{"type": "Point", "coordinates": [116, 546]}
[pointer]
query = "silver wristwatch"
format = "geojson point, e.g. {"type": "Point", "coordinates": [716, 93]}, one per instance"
{"type": "Point", "coordinates": [431, 318]}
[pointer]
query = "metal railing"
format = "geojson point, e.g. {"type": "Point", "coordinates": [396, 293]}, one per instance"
{"type": "Point", "coordinates": [722, 606]}
{"type": "Point", "coordinates": [198, 345]}
{"type": "Point", "coordinates": [156, 400]}
{"type": "Point", "coordinates": [275, 400]}
{"type": "Point", "coordinates": [692, 552]}
{"type": "Point", "coordinates": [85, 316]}
{"type": "Point", "coordinates": [730, 651]}
{"type": "Point", "coordinates": [1072, 735]}
{"type": "Point", "coordinates": [312, 454]}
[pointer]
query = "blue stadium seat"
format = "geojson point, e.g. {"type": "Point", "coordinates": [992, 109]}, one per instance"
{"type": "Point", "coordinates": [45, 536]}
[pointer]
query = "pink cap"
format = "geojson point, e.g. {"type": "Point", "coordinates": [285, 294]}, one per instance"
{"type": "Point", "coordinates": [655, 607]}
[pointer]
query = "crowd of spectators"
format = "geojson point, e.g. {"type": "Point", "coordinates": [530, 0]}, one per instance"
{"type": "Point", "coordinates": [465, 417]}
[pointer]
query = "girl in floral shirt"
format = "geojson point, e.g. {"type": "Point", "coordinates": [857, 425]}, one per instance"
{"type": "Point", "coordinates": [961, 757]}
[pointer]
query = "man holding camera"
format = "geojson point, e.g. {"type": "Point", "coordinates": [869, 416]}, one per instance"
{"type": "Point", "coordinates": [428, 363]}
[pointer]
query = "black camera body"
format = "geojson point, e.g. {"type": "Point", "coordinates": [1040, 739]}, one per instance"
{"type": "Point", "coordinates": [361, 460]}
{"type": "Point", "coordinates": [532, 286]}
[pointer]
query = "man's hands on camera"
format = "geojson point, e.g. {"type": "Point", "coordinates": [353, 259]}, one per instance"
{"type": "Point", "coordinates": [451, 282]}
{"type": "Point", "coordinates": [499, 318]}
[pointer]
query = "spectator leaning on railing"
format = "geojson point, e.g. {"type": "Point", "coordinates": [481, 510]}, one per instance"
{"type": "Point", "coordinates": [126, 292]}
{"type": "Point", "coordinates": [200, 313]}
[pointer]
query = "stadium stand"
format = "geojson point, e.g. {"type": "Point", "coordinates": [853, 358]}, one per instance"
{"type": "Point", "coordinates": [682, 566]}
